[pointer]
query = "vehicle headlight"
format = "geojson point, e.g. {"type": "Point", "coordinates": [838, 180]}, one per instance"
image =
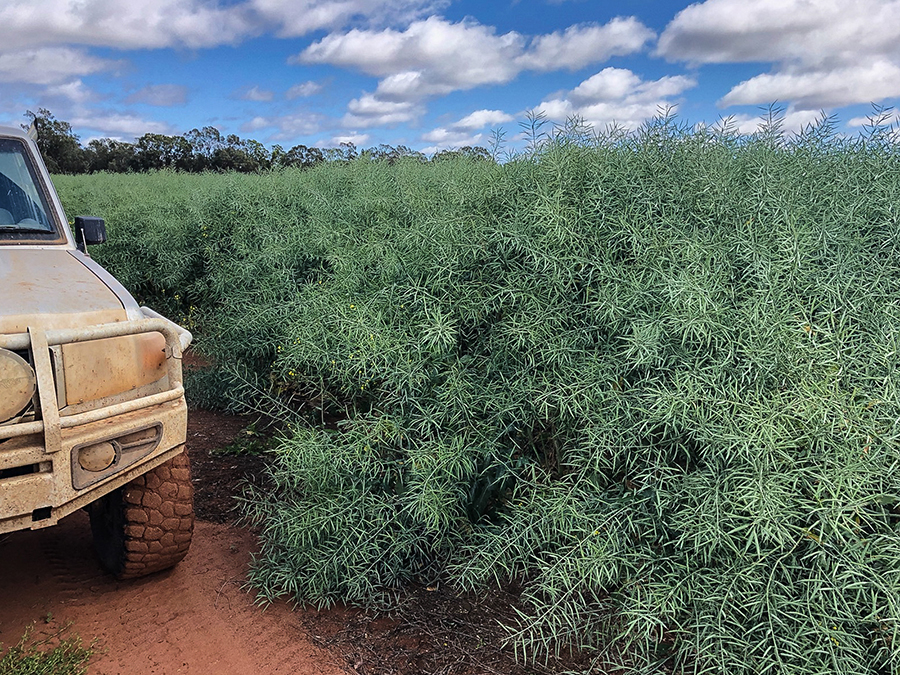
{"type": "Point", "coordinates": [16, 384]}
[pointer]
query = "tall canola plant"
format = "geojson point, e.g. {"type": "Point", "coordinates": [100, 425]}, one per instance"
{"type": "Point", "coordinates": [651, 376]}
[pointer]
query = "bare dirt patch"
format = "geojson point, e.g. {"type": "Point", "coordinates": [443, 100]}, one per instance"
{"type": "Point", "coordinates": [219, 476]}
{"type": "Point", "coordinates": [197, 618]}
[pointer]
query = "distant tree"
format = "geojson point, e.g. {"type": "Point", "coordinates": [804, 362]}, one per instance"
{"type": "Point", "coordinates": [205, 149]}
{"type": "Point", "coordinates": [345, 153]}
{"type": "Point", "coordinates": [476, 153]}
{"type": "Point", "coordinates": [260, 158]}
{"type": "Point", "coordinates": [158, 151]}
{"type": "Point", "coordinates": [106, 154]}
{"type": "Point", "coordinates": [232, 158]}
{"type": "Point", "coordinates": [277, 156]}
{"type": "Point", "coordinates": [57, 142]}
{"type": "Point", "coordinates": [409, 153]}
{"type": "Point", "coordinates": [380, 153]}
{"type": "Point", "coordinates": [205, 142]}
{"type": "Point", "coordinates": [391, 154]}
{"type": "Point", "coordinates": [349, 151]}
{"type": "Point", "coordinates": [242, 155]}
{"type": "Point", "coordinates": [301, 156]}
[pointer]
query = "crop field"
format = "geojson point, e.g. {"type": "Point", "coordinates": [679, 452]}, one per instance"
{"type": "Point", "coordinates": [651, 377]}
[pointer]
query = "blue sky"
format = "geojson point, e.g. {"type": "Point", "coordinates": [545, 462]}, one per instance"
{"type": "Point", "coordinates": [433, 74]}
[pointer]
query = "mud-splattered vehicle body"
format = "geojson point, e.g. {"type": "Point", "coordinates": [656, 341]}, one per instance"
{"type": "Point", "coordinates": [92, 409]}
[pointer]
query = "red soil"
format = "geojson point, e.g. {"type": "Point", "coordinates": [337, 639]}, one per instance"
{"type": "Point", "coordinates": [196, 619]}
{"type": "Point", "coordinates": [193, 619]}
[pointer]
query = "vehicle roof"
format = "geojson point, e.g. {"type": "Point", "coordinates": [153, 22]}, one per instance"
{"type": "Point", "coordinates": [12, 131]}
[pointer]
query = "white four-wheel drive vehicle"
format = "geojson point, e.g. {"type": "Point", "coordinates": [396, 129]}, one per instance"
{"type": "Point", "coordinates": [92, 409]}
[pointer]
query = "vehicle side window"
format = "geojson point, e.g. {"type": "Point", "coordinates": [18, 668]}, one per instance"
{"type": "Point", "coordinates": [20, 200]}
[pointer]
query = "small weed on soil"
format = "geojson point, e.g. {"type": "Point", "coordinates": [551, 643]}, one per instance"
{"type": "Point", "coordinates": [53, 653]}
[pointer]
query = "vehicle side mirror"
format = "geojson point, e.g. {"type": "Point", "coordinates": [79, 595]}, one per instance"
{"type": "Point", "coordinates": [89, 231]}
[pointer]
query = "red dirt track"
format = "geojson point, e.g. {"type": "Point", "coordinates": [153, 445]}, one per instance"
{"type": "Point", "coordinates": [195, 619]}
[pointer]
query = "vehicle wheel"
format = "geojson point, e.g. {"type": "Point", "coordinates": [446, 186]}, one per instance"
{"type": "Point", "coordinates": [146, 525]}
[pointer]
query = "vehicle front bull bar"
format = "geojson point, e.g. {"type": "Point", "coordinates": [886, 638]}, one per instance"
{"type": "Point", "coordinates": [39, 342]}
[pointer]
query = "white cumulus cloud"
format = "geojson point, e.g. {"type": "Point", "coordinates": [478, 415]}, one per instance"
{"type": "Point", "coordinates": [370, 111]}
{"type": "Point", "coordinates": [449, 139]}
{"type": "Point", "coordinates": [429, 57]}
{"type": "Point", "coordinates": [299, 17]}
{"type": "Point", "coordinates": [814, 89]}
{"type": "Point", "coordinates": [193, 24]}
{"type": "Point", "coordinates": [581, 45]}
{"type": "Point", "coordinates": [444, 137]}
{"type": "Point", "coordinates": [75, 92]}
{"type": "Point", "coordinates": [434, 57]}
{"type": "Point", "coordinates": [616, 96]}
{"type": "Point", "coordinates": [356, 139]}
{"type": "Point", "coordinates": [256, 94]}
{"type": "Point", "coordinates": [161, 95]}
{"type": "Point", "coordinates": [123, 25]}
{"type": "Point", "coordinates": [824, 52]}
{"type": "Point", "coordinates": [792, 121]}
{"type": "Point", "coordinates": [868, 120]}
{"type": "Point", "coordinates": [461, 133]}
{"type": "Point", "coordinates": [121, 125]}
{"type": "Point", "coordinates": [303, 90]}
{"type": "Point", "coordinates": [483, 118]}
{"type": "Point", "coordinates": [49, 65]}
{"type": "Point", "coordinates": [285, 127]}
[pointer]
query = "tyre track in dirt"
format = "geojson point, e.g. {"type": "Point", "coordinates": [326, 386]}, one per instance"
{"type": "Point", "coordinates": [196, 618]}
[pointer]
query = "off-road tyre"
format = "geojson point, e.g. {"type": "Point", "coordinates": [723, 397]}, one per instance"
{"type": "Point", "coordinates": [146, 525]}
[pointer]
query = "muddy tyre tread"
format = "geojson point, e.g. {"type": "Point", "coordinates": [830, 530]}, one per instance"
{"type": "Point", "coordinates": [146, 526]}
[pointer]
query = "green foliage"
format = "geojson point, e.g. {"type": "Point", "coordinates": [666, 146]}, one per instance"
{"type": "Point", "coordinates": [54, 655]}
{"type": "Point", "coordinates": [57, 142]}
{"type": "Point", "coordinates": [199, 150]}
{"type": "Point", "coordinates": [211, 388]}
{"type": "Point", "coordinates": [652, 376]}
{"type": "Point", "coordinates": [250, 441]}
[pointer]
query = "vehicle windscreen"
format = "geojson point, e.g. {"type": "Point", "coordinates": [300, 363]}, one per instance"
{"type": "Point", "coordinates": [24, 212]}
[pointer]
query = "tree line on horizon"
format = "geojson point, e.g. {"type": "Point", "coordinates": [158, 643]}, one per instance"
{"type": "Point", "coordinates": [199, 150]}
